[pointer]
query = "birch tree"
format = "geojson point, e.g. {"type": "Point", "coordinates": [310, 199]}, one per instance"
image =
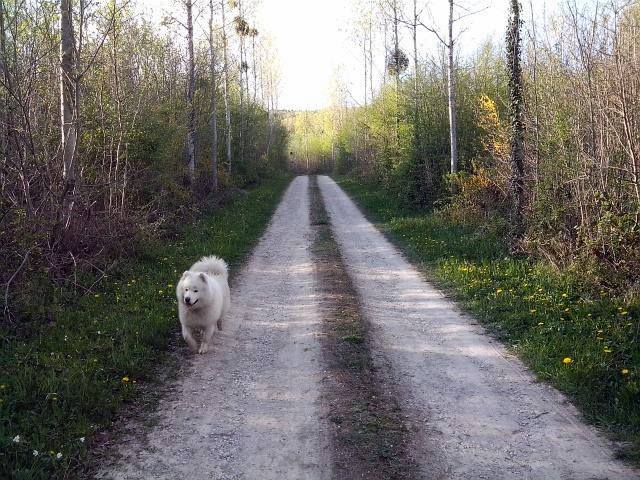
{"type": "Point", "coordinates": [449, 42]}
{"type": "Point", "coordinates": [214, 103]}
{"type": "Point", "coordinates": [451, 87]}
{"type": "Point", "coordinates": [191, 86]}
{"type": "Point", "coordinates": [227, 107]}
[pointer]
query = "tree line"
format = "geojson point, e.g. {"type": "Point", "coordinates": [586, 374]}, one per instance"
{"type": "Point", "coordinates": [113, 128]}
{"type": "Point", "coordinates": [538, 134]}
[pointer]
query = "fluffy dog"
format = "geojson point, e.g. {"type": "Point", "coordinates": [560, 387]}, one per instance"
{"type": "Point", "coordinates": [203, 300]}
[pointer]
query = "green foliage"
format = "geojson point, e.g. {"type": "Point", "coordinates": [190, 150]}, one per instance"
{"type": "Point", "coordinates": [63, 380]}
{"type": "Point", "coordinates": [545, 315]}
{"type": "Point", "coordinates": [400, 139]}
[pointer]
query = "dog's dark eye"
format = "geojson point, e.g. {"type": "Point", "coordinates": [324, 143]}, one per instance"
{"type": "Point", "coordinates": [186, 289]}
{"type": "Point", "coordinates": [195, 291]}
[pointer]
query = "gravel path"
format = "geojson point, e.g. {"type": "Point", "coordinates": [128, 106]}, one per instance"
{"type": "Point", "coordinates": [253, 407]}
{"type": "Point", "coordinates": [476, 412]}
{"type": "Point", "coordinates": [250, 408]}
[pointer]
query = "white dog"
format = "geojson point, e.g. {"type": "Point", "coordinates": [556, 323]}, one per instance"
{"type": "Point", "coordinates": [203, 300]}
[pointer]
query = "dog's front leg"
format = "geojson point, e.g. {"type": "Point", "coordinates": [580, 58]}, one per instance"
{"type": "Point", "coordinates": [206, 338]}
{"type": "Point", "coordinates": [188, 337]}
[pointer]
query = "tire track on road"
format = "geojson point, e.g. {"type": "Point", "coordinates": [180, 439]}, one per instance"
{"type": "Point", "coordinates": [250, 409]}
{"type": "Point", "coordinates": [476, 412]}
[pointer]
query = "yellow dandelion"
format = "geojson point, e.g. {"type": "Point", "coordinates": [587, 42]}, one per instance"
{"type": "Point", "coordinates": [125, 379]}
{"type": "Point", "coordinates": [624, 313]}
{"type": "Point", "coordinates": [499, 290]}
{"type": "Point", "coordinates": [540, 324]}
{"type": "Point", "coordinates": [607, 350]}
{"type": "Point", "coordinates": [97, 295]}
{"type": "Point", "coordinates": [567, 360]}
{"type": "Point", "coordinates": [624, 371]}
{"type": "Point", "coordinates": [533, 310]}
{"type": "Point", "coordinates": [564, 295]}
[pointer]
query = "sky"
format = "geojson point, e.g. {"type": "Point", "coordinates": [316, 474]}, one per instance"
{"type": "Point", "coordinates": [315, 43]}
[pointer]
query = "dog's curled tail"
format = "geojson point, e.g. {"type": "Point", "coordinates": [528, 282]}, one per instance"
{"type": "Point", "coordinates": [212, 265]}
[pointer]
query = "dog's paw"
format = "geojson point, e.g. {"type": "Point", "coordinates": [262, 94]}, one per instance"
{"type": "Point", "coordinates": [204, 348]}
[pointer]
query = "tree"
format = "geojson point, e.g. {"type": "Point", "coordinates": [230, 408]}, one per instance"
{"type": "Point", "coordinates": [227, 107]}
{"type": "Point", "coordinates": [253, 33]}
{"type": "Point", "coordinates": [214, 105]}
{"type": "Point", "coordinates": [243, 30]}
{"type": "Point", "coordinates": [516, 111]}
{"type": "Point", "coordinates": [191, 87]}
{"type": "Point", "coordinates": [451, 85]}
{"type": "Point", "coordinates": [450, 45]}
{"type": "Point", "coordinates": [69, 109]}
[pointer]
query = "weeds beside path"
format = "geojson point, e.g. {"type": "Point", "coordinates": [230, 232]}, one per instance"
{"type": "Point", "coordinates": [583, 341]}
{"type": "Point", "coordinates": [68, 378]}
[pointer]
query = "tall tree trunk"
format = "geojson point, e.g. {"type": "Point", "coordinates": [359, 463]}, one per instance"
{"type": "Point", "coordinates": [396, 46]}
{"type": "Point", "coordinates": [414, 28]}
{"type": "Point", "coordinates": [227, 107]}
{"type": "Point", "coordinates": [6, 120]}
{"type": "Point", "coordinates": [366, 73]}
{"type": "Point", "coordinates": [516, 110]}
{"type": "Point", "coordinates": [191, 86]}
{"type": "Point", "coordinates": [241, 131]}
{"type": "Point", "coordinates": [371, 59]}
{"type": "Point", "coordinates": [214, 103]}
{"type": "Point", "coordinates": [254, 34]}
{"type": "Point", "coordinates": [68, 109]}
{"type": "Point", "coordinates": [453, 123]}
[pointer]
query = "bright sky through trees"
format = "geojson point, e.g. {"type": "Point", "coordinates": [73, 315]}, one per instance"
{"type": "Point", "coordinates": [316, 43]}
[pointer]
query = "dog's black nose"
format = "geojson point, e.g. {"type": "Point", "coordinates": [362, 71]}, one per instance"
{"type": "Point", "coordinates": [187, 300]}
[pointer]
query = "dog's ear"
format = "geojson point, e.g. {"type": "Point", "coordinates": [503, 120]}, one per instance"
{"type": "Point", "coordinates": [185, 273]}
{"type": "Point", "coordinates": [203, 277]}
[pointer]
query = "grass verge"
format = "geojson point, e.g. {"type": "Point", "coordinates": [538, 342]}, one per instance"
{"type": "Point", "coordinates": [582, 340]}
{"type": "Point", "coordinates": [368, 429]}
{"type": "Point", "coordinates": [67, 378]}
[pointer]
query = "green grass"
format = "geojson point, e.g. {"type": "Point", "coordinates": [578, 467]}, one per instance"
{"type": "Point", "coordinates": [544, 315]}
{"type": "Point", "coordinates": [67, 378]}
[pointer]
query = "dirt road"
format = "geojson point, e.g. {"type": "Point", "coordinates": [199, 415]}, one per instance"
{"type": "Point", "coordinates": [254, 408]}
{"type": "Point", "coordinates": [249, 409]}
{"type": "Point", "coordinates": [477, 411]}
